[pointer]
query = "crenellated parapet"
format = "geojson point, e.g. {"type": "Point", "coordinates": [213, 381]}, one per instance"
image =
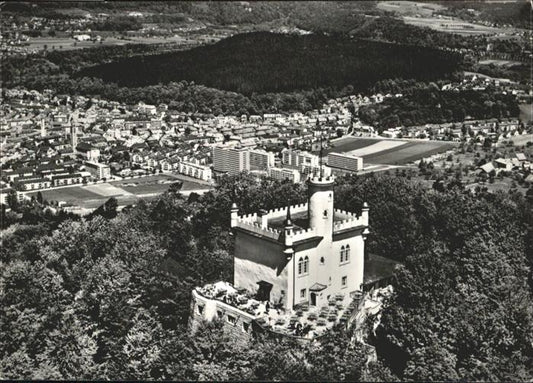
{"type": "Point", "coordinates": [344, 215]}
{"type": "Point", "coordinates": [350, 220]}
{"type": "Point", "coordinates": [257, 228]}
{"type": "Point", "coordinates": [282, 211]}
{"type": "Point", "coordinates": [249, 217]}
{"type": "Point", "coordinates": [298, 235]}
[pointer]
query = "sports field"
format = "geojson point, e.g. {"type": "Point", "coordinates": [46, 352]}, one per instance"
{"type": "Point", "coordinates": [126, 191]}
{"type": "Point", "coordinates": [155, 184]}
{"type": "Point", "coordinates": [390, 152]}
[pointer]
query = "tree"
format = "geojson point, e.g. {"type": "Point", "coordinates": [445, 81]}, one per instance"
{"type": "Point", "coordinates": [107, 210]}
{"type": "Point", "coordinates": [12, 200]}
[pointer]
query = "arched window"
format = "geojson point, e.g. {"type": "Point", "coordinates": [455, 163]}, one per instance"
{"type": "Point", "coordinates": [300, 266]}
{"type": "Point", "coordinates": [347, 254]}
{"type": "Point", "coordinates": [306, 264]}
{"type": "Point", "coordinates": [342, 254]}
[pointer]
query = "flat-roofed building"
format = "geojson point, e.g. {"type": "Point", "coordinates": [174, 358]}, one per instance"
{"type": "Point", "coordinates": [67, 179]}
{"type": "Point", "coordinates": [261, 159]}
{"type": "Point", "coordinates": [230, 161]}
{"type": "Point", "coordinates": [33, 184]}
{"type": "Point", "coordinates": [285, 174]}
{"type": "Point", "coordinates": [345, 161]}
{"type": "Point", "coordinates": [98, 170]}
{"type": "Point", "coordinates": [298, 159]}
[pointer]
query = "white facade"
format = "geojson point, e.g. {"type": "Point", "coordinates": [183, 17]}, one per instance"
{"type": "Point", "coordinates": [345, 162]}
{"type": "Point", "coordinates": [195, 170]}
{"type": "Point", "coordinates": [98, 170]}
{"type": "Point", "coordinates": [308, 258]}
{"type": "Point", "coordinates": [284, 174]}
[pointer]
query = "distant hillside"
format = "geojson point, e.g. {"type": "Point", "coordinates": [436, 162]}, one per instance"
{"type": "Point", "coordinates": [266, 62]}
{"type": "Point", "coordinates": [339, 16]}
{"type": "Point", "coordinates": [515, 13]}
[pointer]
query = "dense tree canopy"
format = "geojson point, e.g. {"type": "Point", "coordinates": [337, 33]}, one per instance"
{"type": "Point", "coordinates": [428, 104]}
{"type": "Point", "coordinates": [266, 62]}
{"type": "Point", "coordinates": [108, 297]}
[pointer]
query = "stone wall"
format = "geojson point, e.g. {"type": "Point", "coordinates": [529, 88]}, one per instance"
{"type": "Point", "coordinates": [237, 323]}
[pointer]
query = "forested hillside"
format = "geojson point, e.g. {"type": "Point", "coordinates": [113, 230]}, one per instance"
{"type": "Point", "coordinates": [428, 104]}
{"type": "Point", "coordinates": [108, 297]}
{"type": "Point", "coordinates": [266, 62]}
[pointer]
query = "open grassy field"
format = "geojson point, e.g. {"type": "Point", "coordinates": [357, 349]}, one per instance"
{"type": "Point", "coordinates": [349, 144]}
{"type": "Point", "coordinates": [411, 151]}
{"type": "Point", "coordinates": [501, 63]}
{"type": "Point", "coordinates": [451, 25]}
{"type": "Point", "coordinates": [526, 112]}
{"type": "Point", "coordinates": [69, 194]}
{"type": "Point", "coordinates": [522, 139]}
{"type": "Point", "coordinates": [68, 43]}
{"type": "Point", "coordinates": [84, 197]}
{"type": "Point", "coordinates": [378, 147]}
{"type": "Point", "coordinates": [409, 7]}
{"type": "Point", "coordinates": [126, 191]}
{"type": "Point", "coordinates": [155, 184]}
{"type": "Point", "coordinates": [390, 152]}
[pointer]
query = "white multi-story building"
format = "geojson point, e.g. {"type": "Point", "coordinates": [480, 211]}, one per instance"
{"type": "Point", "coordinates": [260, 159]}
{"type": "Point", "coordinates": [195, 169]}
{"type": "Point", "coordinates": [285, 174]}
{"type": "Point", "coordinates": [345, 162]}
{"type": "Point", "coordinates": [230, 161]}
{"type": "Point", "coordinates": [98, 170]}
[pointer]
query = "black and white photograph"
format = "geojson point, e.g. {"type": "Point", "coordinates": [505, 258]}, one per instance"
{"type": "Point", "coordinates": [266, 191]}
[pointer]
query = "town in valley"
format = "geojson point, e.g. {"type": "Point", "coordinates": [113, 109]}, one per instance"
{"type": "Point", "coordinates": [267, 190]}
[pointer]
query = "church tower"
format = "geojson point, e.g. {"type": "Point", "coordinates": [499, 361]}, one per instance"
{"type": "Point", "coordinates": [73, 137]}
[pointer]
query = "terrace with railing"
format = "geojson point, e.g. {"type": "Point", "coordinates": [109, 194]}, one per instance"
{"type": "Point", "coordinates": [304, 321]}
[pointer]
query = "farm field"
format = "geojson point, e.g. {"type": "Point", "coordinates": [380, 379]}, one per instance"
{"type": "Point", "coordinates": [409, 7]}
{"type": "Point", "coordinates": [68, 43]}
{"type": "Point", "coordinates": [451, 25]}
{"type": "Point", "coordinates": [502, 63]}
{"type": "Point", "coordinates": [349, 144]}
{"type": "Point", "coordinates": [380, 146]}
{"type": "Point", "coordinates": [390, 152]}
{"type": "Point", "coordinates": [411, 151]}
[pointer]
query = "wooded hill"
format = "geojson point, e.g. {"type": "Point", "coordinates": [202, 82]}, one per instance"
{"type": "Point", "coordinates": [263, 62]}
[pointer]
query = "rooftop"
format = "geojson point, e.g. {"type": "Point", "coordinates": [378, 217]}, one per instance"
{"type": "Point", "coordinates": [300, 220]}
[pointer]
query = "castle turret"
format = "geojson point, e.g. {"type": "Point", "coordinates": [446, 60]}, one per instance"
{"type": "Point", "coordinates": [287, 238]}
{"type": "Point", "coordinates": [321, 204]}
{"type": "Point", "coordinates": [234, 214]}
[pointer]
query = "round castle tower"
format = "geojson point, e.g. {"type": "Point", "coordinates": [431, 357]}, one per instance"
{"type": "Point", "coordinates": [320, 206]}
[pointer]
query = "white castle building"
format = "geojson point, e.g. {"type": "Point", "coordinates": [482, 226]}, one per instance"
{"type": "Point", "coordinates": [291, 263]}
